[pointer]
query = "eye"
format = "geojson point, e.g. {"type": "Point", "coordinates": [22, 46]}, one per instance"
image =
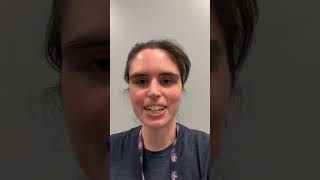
{"type": "Point", "coordinates": [167, 82]}
{"type": "Point", "coordinates": [141, 82]}
{"type": "Point", "coordinates": [98, 65]}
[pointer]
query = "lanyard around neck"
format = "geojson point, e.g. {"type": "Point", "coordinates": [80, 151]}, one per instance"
{"type": "Point", "coordinates": [173, 156]}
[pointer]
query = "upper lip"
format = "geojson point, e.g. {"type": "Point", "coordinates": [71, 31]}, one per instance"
{"type": "Point", "coordinates": [154, 105]}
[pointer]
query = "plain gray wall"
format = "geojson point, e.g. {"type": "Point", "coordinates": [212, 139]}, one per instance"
{"type": "Point", "coordinates": [273, 130]}
{"type": "Point", "coordinates": [188, 22]}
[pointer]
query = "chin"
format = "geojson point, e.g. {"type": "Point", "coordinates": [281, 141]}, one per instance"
{"type": "Point", "coordinates": [156, 123]}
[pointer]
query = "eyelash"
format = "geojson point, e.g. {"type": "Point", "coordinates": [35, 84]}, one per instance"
{"type": "Point", "coordinates": [164, 82]}
{"type": "Point", "coordinates": [98, 65]}
{"type": "Point", "coordinates": [169, 81]}
{"type": "Point", "coordinates": [140, 82]}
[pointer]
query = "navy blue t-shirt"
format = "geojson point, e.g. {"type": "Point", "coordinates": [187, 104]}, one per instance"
{"type": "Point", "coordinates": [156, 165]}
{"type": "Point", "coordinates": [193, 150]}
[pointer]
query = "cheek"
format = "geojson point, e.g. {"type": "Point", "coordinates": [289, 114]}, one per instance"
{"type": "Point", "coordinates": [137, 97]}
{"type": "Point", "coordinates": [86, 108]}
{"type": "Point", "coordinates": [220, 92]}
{"type": "Point", "coordinates": [174, 96]}
{"type": "Point", "coordinates": [220, 85]}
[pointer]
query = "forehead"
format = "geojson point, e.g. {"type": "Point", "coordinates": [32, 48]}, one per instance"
{"type": "Point", "coordinates": [85, 18]}
{"type": "Point", "coordinates": [152, 60]}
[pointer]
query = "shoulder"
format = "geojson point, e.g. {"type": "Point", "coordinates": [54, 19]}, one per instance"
{"type": "Point", "coordinates": [123, 154]}
{"type": "Point", "coordinates": [197, 143]}
{"type": "Point", "coordinates": [125, 135]}
{"type": "Point", "coordinates": [195, 146]}
{"type": "Point", "coordinates": [119, 142]}
{"type": "Point", "coordinates": [195, 136]}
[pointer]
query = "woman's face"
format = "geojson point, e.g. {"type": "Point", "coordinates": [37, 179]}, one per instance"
{"type": "Point", "coordinates": [220, 84]}
{"type": "Point", "coordinates": [85, 82]}
{"type": "Point", "coordinates": [155, 88]}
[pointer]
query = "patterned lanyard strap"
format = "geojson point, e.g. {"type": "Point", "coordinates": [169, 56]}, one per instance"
{"type": "Point", "coordinates": [173, 159]}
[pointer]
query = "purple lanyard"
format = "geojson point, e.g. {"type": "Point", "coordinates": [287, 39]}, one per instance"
{"type": "Point", "coordinates": [173, 159]}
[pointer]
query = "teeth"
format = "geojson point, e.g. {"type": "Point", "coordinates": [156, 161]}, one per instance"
{"type": "Point", "coordinates": [155, 107]}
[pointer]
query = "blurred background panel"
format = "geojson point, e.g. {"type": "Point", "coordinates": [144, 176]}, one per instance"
{"type": "Point", "coordinates": [273, 128]}
{"type": "Point", "coordinates": [34, 143]}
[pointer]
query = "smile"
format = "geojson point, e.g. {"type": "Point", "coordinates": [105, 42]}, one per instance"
{"type": "Point", "coordinates": [154, 107]}
{"type": "Point", "coordinates": [155, 110]}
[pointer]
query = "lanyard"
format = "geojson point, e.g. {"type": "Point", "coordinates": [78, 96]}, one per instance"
{"type": "Point", "coordinates": [173, 159]}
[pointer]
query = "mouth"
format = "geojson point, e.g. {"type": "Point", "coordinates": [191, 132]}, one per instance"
{"type": "Point", "coordinates": [155, 110]}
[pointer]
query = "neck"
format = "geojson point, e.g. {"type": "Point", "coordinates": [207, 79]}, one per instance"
{"type": "Point", "coordinates": [157, 139]}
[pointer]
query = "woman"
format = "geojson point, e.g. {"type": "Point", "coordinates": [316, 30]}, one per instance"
{"type": "Point", "coordinates": [77, 47]}
{"type": "Point", "coordinates": [156, 72]}
{"type": "Point", "coordinates": [231, 39]}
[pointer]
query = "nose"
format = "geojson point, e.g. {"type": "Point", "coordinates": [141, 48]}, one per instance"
{"type": "Point", "coordinates": [154, 89]}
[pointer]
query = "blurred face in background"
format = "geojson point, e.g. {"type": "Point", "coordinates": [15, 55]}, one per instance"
{"type": "Point", "coordinates": [220, 84]}
{"type": "Point", "coordinates": [85, 82]}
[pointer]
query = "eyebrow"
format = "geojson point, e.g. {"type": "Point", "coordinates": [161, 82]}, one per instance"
{"type": "Point", "coordinates": [85, 42]}
{"type": "Point", "coordinates": [137, 75]}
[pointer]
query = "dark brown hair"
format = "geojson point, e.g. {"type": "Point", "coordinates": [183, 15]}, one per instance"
{"type": "Point", "coordinates": [238, 19]}
{"type": "Point", "coordinates": [173, 49]}
{"type": "Point", "coordinates": [53, 51]}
